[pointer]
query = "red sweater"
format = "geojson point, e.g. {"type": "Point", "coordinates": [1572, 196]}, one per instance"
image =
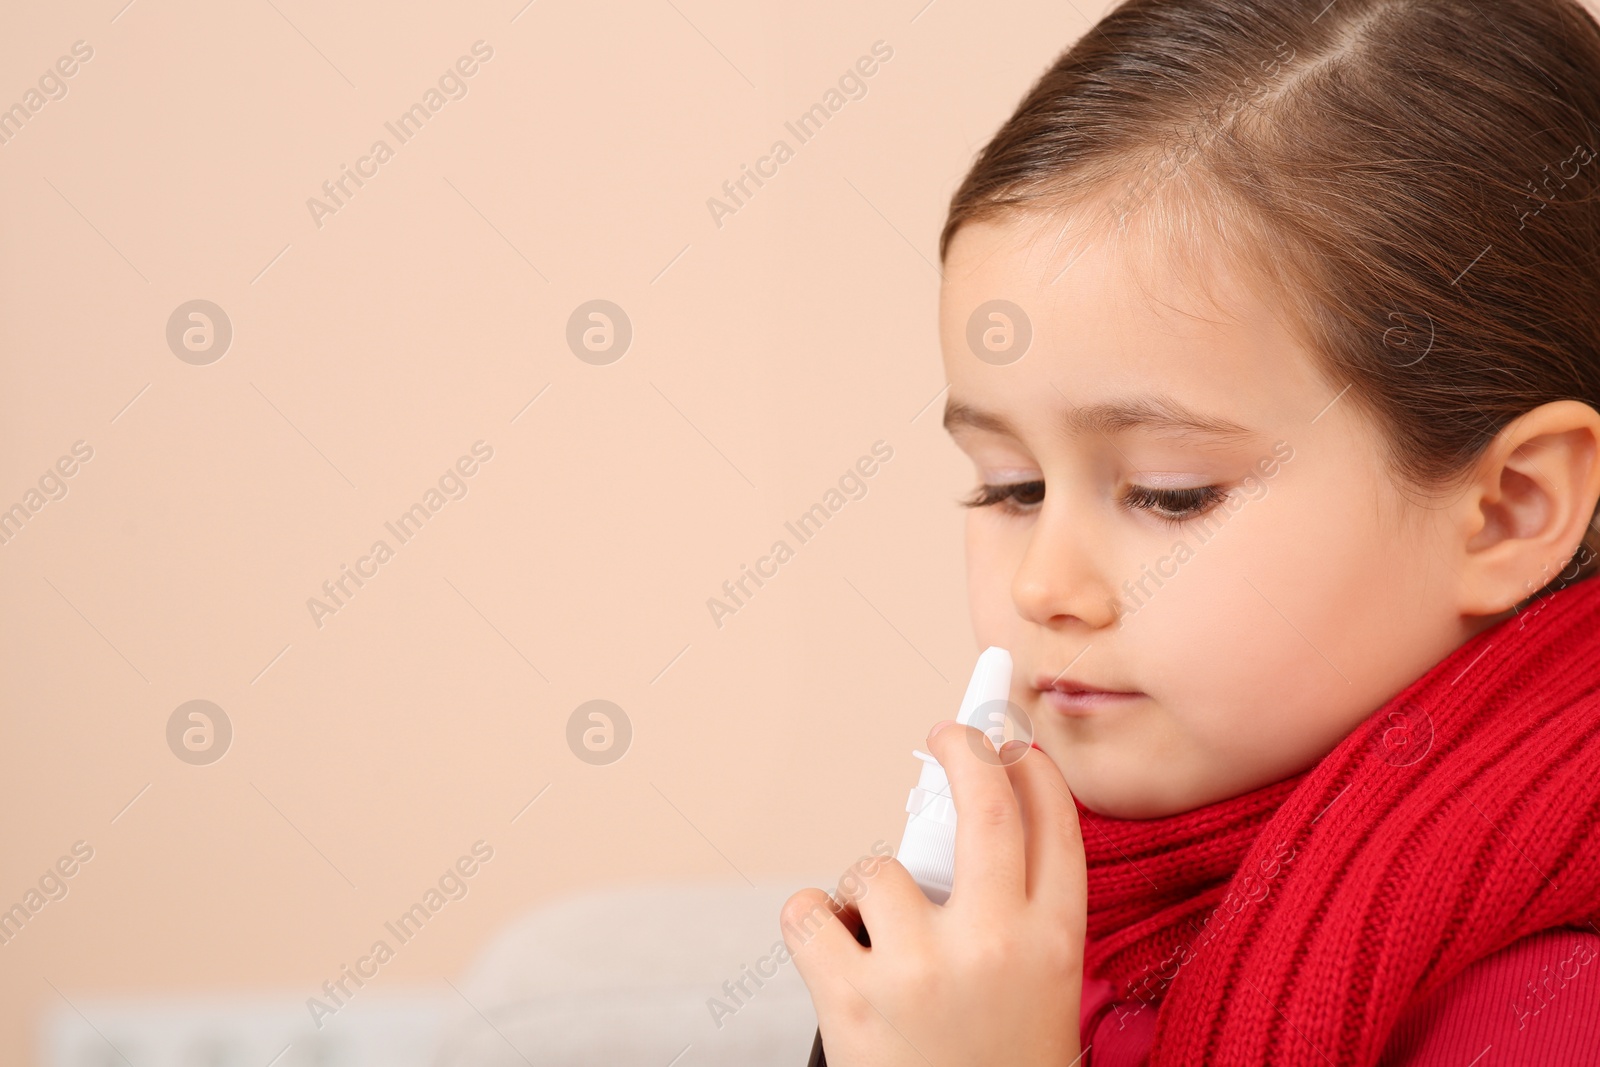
{"type": "Point", "coordinates": [1536, 1001]}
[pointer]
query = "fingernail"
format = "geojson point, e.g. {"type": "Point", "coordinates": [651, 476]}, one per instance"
{"type": "Point", "coordinates": [940, 725]}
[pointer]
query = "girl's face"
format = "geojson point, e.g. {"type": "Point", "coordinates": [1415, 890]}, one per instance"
{"type": "Point", "coordinates": [1194, 552]}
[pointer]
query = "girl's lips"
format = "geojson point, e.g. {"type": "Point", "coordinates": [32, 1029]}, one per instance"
{"type": "Point", "coordinates": [1080, 700]}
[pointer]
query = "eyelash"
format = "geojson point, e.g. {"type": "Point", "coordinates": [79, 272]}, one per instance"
{"type": "Point", "coordinates": [1173, 506]}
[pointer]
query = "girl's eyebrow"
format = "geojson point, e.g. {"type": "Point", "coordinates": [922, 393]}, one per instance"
{"type": "Point", "coordinates": [1152, 412]}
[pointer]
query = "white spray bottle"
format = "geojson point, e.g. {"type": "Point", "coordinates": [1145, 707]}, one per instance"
{"type": "Point", "coordinates": [928, 845]}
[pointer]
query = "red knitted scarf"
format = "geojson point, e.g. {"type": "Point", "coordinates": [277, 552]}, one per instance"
{"type": "Point", "coordinates": [1292, 925]}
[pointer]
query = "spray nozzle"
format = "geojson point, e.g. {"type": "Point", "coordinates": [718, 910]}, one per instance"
{"type": "Point", "coordinates": [927, 849]}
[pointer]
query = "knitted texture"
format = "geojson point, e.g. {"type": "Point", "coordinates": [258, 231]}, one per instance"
{"type": "Point", "coordinates": [1294, 924]}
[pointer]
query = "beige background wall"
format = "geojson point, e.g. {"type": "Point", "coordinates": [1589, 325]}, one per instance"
{"type": "Point", "coordinates": [372, 351]}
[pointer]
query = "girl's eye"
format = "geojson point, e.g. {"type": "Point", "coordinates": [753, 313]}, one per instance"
{"type": "Point", "coordinates": [1016, 497]}
{"type": "Point", "coordinates": [1170, 505]}
{"type": "Point", "coordinates": [1174, 505]}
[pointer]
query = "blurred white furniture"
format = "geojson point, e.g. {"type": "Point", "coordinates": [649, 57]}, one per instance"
{"type": "Point", "coordinates": [616, 977]}
{"type": "Point", "coordinates": [627, 976]}
{"type": "Point", "coordinates": [383, 1028]}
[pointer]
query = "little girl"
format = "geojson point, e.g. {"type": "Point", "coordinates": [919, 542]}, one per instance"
{"type": "Point", "coordinates": [1272, 330]}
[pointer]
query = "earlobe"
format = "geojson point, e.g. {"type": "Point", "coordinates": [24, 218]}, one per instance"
{"type": "Point", "coordinates": [1528, 504]}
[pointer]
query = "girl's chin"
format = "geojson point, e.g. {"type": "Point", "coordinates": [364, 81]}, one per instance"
{"type": "Point", "coordinates": [1094, 773]}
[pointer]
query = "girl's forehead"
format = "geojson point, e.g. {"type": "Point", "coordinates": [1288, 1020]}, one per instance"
{"type": "Point", "coordinates": [1161, 263]}
{"type": "Point", "coordinates": [1105, 298]}
{"type": "Point", "coordinates": [1109, 318]}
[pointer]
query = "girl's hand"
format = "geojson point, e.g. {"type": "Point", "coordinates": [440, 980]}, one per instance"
{"type": "Point", "coordinates": [994, 976]}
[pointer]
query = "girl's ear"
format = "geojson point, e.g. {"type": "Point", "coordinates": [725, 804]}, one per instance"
{"type": "Point", "coordinates": [1527, 506]}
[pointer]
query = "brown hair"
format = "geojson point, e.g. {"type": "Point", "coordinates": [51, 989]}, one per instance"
{"type": "Point", "coordinates": [1414, 177]}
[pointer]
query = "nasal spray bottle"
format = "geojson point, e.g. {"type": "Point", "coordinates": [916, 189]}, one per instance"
{"type": "Point", "coordinates": [928, 846]}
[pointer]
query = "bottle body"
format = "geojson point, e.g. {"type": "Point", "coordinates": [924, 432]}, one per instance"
{"type": "Point", "coordinates": [928, 843]}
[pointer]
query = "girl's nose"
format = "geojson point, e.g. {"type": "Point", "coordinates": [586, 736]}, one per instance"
{"type": "Point", "coordinates": [1058, 579]}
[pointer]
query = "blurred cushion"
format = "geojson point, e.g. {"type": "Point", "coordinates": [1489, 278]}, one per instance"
{"type": "Point", "coordinates": [646, 975]}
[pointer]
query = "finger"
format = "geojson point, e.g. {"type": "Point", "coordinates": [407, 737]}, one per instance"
{"type": "Point", "coordinates": [989, 840]}
{"type": "Point", "coordinates": [816, 936]}
{"type": "Point", "coordinates": [888, 899]}
{"type": "Point", "coordinates": [1056, 868]}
